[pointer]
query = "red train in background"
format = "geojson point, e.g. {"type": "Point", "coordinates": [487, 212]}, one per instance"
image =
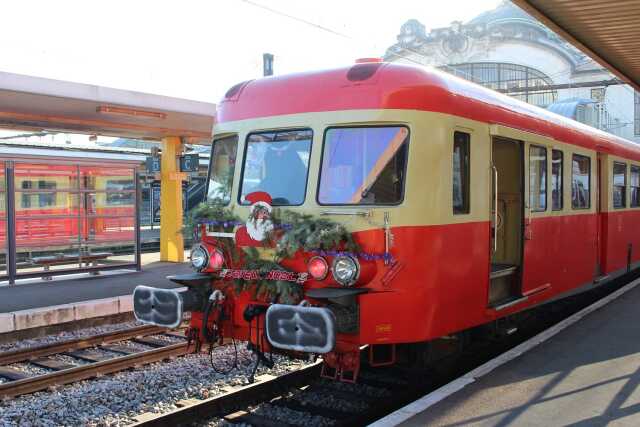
{"type": "Point", "coordinates": [59, 206]}
{"type": "Point", "coordinates": [392, 206]}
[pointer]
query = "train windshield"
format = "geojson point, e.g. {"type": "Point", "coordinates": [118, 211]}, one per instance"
{"type": "Point", "coordinates": [277, 162]}
{"type": "Point", "coordinates": [223, 161]}
{"type": "Point", "coordinates": [363, 166]}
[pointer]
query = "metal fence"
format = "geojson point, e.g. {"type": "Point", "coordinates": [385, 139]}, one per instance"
{"type": "Point", "coordinates": [67, 216]}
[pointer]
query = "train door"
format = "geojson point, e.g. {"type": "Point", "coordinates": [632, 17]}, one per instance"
{"type": "Point", "coordinates": [507, 225]}
{"type": "Point", "coordinates": [598, 273]}
{"type": "Point", "coordinates": [89, 216]}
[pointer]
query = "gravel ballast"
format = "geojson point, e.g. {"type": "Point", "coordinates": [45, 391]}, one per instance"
{"type": "Point", "coordinates": [115, 400]}
{"type": "Point", "coordinates": [67, 336]}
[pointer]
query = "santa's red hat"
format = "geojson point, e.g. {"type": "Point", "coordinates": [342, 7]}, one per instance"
{"type": "Point", "coordinates": [259, 198]}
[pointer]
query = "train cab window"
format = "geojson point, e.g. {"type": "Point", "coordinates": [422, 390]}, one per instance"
{"type": "Point", "coordinates": [277, 162]}
{"type": "Point", "coordinates": [537, 178]}
{"type": "Point", "coordinates": [363, 166]}
{"type": "Point", "coordinates": [461, 165]}
{"type": "Point", "coordinates": [557, 168]}
{"type": "Point", "coordinates": [580, 182]}
{"type": "Point", "coordinates": [619, 185]}
{"type": "Point", "coordinates": [221, 168]}
{"type": "Point", "coordinates": [635, 186]}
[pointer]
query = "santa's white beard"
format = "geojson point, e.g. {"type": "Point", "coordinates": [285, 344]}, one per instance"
{"type": "Point", "coordinates": [259, 228]}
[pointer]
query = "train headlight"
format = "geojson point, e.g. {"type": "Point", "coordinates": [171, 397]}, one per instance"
{"type": "Point", "coordinates": [199, 257]}
{"type": "Point", "coordinates": [345, 270]}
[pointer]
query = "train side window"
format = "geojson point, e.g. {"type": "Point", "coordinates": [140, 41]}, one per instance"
{"type": "Point", "coordinates": [580, 182]}
{"type": "Point", "coordinates": [46, 199]}
{"type": "Point", "coordinates": [619, 185]}
{"type": "Point", "coordinates": [557, 168]}
{"type": "Point", "coordinates": [461, 166]}
{"type": "Point", "coordinates": [635, 186]}
{"type": "Point", "coordinates": [25, 202]}
{"type": "Point", "coordinates": [537, 178]}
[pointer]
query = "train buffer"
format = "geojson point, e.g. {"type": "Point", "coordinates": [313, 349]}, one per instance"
{"type": "Point", "coordinates": [88, 259]}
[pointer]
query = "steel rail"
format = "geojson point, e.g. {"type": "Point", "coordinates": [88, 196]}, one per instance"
{"type": "Point", "coordinates": [222, 404]}
{"type": "Point", "coordinates": [77, 344]}
{"type": "Point", "coordinates": [83, 372]}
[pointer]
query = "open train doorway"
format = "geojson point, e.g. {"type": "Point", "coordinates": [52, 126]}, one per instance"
{"type": "Point", "coordinates": [507, 213]}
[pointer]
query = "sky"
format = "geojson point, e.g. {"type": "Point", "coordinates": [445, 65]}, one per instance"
{"type": "Point", "coordinates": [198, 49]}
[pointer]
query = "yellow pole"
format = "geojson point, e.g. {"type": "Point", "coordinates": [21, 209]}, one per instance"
{"type": "Point", "coordinates": [171, 242]}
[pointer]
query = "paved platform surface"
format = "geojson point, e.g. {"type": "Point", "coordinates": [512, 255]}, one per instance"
{"type": "Point", "coordinates": [586, 375]}
{"type": "Point", "coordinates": [62, 290]}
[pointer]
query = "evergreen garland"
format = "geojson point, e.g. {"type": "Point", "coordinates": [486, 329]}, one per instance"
{"type": "Point", "coordinates": [225, 221]}
{"type": "Point", "coordinates": [307, 232]}
{"type": "Point", "coordinates": [284, 291]}
{"type": "Point", "coordinates": [292, 232]}
{"type": "Point", "coordinates": [211, 211]}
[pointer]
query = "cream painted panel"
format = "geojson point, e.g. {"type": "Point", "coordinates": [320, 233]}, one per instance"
{"type": "Point", "coordinates": [428, 188]}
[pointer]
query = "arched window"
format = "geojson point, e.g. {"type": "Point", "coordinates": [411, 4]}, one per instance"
{"type": "Point", "coordinates": [519, 81]}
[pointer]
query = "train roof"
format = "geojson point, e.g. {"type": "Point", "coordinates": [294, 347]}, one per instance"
{"type": "Point", "coordinates": [379, 85]}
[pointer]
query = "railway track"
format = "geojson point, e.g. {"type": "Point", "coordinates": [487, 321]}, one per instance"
{"type": "Point", "coordinates": [39, 368]}
{"type": "Point", "coordinates": [301, 398]}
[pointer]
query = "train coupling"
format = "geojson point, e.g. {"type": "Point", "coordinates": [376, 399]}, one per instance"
{"type": "Point", "coordinates": [343, 366]}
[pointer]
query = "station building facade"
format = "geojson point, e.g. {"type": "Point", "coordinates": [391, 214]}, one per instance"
{"type": "Point", "coordinates": [507, 50]}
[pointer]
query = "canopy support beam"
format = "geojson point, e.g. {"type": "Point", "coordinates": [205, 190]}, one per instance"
{"type": "Point", "coordinates": [171, 240]}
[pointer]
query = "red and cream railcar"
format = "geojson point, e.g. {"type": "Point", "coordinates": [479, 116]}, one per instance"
{"type": "Point", "coordinates": [54, 209]}
{"type": "Point", "coordinates": [468, 206]}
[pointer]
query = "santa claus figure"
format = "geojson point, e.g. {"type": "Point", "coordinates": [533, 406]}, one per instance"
{"type": "Point", "coordinates": [259, 224]}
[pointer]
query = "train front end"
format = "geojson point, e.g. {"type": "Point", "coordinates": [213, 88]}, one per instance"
{"type": "Point", "coordinates": [295, 242]}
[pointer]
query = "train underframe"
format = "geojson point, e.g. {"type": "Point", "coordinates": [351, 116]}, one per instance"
{"type": "Point", "coordinates": [329, 328]}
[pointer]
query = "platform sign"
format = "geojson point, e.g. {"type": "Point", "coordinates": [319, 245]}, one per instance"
{"type": "Point", "coordinates": [153, 164]}
{"type": "Point", "coordinates": [155, 202]}
{"type": "Point", "coordinates": [189, 162]}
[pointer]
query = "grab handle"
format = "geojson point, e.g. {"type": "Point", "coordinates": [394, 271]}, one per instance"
{"type": "Point", "coordinates": [495, 208]}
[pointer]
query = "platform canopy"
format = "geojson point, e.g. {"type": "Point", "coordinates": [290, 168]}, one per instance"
{"type": "Point", "coordinates": [34, 103]}
{"type": "Point", "coordinates": [607, 31]}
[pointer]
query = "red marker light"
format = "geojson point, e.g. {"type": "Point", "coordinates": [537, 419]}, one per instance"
{"type": "Point", "coordinates": [318, 268]}
{"type": "Point", "coordinates": [217, 260]}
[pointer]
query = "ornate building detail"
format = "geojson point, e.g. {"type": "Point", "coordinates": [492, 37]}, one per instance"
{"type": "Point", "coordinates": [507, 23]}
{"type": "Point", "coordinates": [456, 41]}
{"type": "Point", "coordinates": [489, 50]}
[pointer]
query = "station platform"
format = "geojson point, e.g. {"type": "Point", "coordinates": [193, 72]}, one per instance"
{"type": "Point", "coordinates": [37, 303]}
{"type": "Point", "coordinates": [587, 374]}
